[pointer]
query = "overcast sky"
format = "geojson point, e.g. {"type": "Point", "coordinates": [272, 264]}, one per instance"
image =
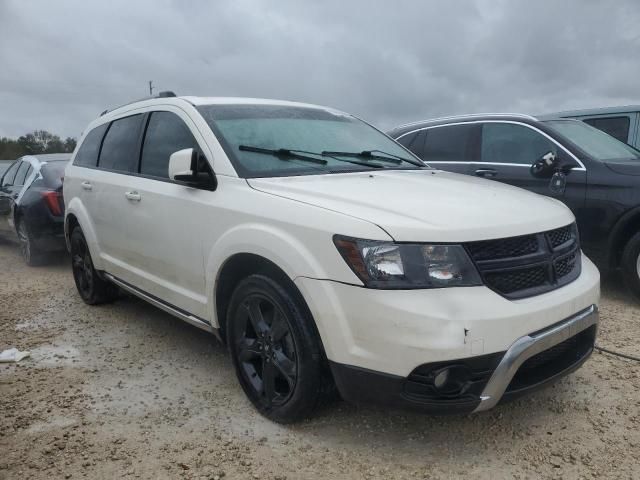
{"type": "Point", "coordinates": [63, 62]}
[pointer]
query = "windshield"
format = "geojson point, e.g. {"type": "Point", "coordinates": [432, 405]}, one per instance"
{"type": "Point", "coordinates": [274, 140]}
{"type": "Point", "coordinates": [594, 142]}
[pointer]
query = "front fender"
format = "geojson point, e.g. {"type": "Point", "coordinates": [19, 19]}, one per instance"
{"type": "Point", "coordinates": [77, 209]}
{"type": "Point", "coordinates": [293, 255]}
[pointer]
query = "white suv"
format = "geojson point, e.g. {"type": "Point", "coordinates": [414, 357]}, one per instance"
{"type": "Point", "coordinates": [324, 253]}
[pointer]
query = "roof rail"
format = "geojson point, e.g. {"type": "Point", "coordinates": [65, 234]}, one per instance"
{"type": "Point", "coordinates": [469, 115]}
{"type": "Point", "coordinates": [164, 94]}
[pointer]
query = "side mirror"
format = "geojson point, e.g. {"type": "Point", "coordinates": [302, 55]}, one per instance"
{"type": "Point", "coordinates": [545, 166]}
{"type": "Point", "coordinates": [190, 168]}
{"type": "Point", "coordinates": [551, 163]}
{"type": "Point", "coordinates": [180, 164]}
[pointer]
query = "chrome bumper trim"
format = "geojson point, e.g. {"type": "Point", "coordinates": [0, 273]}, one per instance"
{"type": "Point", "coordinates": [528, 346]}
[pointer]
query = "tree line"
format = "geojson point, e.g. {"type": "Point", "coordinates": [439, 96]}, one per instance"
{"type": "Point", "coordinates": [38, 141]}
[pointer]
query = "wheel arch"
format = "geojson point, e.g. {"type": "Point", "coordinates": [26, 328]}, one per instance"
{"type": "Point", "coordinates": [77, 215]}
{"type": "Point", "coordinates": [627, 226]}
{"type": "Point", "coordinates": [238, 267]}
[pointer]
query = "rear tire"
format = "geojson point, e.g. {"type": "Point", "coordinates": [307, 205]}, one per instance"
{"type": "Point", "coordinates": [30, 254]}
{"type": "Point", "coordinates": [275, 350]}
{"type": "Point", "coordinates": [91, 286]}
{"type": "Point", "coordinates": [630, 265]}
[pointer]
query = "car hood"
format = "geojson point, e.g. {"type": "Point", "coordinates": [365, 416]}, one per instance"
{"type": "Point", "coordinates": [624, 168]}
{"type": "Point", "coordinates": [425, 205]}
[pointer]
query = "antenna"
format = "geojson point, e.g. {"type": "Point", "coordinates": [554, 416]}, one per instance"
{"type": "Point", "coordinates": [151, 87]}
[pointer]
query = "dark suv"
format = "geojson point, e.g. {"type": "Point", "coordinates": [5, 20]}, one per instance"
{"type": "Point", "coordinates": [597, 176]}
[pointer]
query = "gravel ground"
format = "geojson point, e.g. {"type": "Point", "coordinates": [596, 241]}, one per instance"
{"type": "Point", "coordinates": [125, 390]}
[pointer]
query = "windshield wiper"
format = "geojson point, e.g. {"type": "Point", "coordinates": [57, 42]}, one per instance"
{"type": "Point", "coordinates": [385, 157]}
{"type": "Point", "coordinates": [285, 153]}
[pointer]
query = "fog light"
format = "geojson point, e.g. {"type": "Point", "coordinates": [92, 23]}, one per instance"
{"type": "Point", "coordinates": [441, 379]}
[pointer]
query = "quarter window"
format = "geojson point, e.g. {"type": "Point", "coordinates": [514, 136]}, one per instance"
{"type": "Point", "coordinates": [120, 146]}
{"type": "Point", "coordinates": [166, 134]}
{"type": "Point", "coordinates": [415, 142]}
{"type": "Point", "coordinates": [510, 143]}
{"type": "Point", "coordinates": [617, 127]}
{"type": "Point", "coordinates": [87, 155]}
{"type": "Point", "coordinates": [449, 144]}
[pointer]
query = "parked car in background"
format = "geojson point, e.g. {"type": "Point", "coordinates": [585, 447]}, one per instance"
{"type": "Point", "coordinates": [594, 174]}
{"type": "Point", "coordinates": [619, 122]}
{"type": "Point", "coordinates": [31, 204]}
{"type": "Point", "coordinates": [325, 253]}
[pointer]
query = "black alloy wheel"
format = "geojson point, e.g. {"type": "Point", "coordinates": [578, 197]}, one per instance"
{"type": "Point", "coordinates": [91, 287]}
{"type": "Point", "coordinates": [276, 349]}
{"type": "Point", "coordinates": [81, 265]}
{"type": "Point", "coordinates": [266, 350]}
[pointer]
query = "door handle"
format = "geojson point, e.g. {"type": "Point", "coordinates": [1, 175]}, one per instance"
{"type": "Point", "coordinates": [486, 172]}
{"type": "Point", "coordinates": [133, 196]}
{"type": "Point", "coordinates": [87, 185]}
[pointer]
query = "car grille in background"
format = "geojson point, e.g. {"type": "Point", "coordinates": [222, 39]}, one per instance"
{"type": "Point", "coordinates": [528, 265]}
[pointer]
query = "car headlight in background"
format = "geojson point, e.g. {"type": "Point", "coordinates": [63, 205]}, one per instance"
{"type": "Point", "coordinates": [404, 265]}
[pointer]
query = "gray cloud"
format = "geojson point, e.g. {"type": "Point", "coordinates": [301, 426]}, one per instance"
{"type": "Point", "coordinates": [61, 63]}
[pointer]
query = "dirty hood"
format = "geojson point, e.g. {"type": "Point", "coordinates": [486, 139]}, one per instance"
{"type": "Point", "coordinates": [425, 205]}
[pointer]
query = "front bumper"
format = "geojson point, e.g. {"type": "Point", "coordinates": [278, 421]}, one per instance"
{"type": "Point", "coordinates": [386, 337]}
{"type": "Point", "coordinates": [536, 343]}
{"type": "Point", "coordinates": [551, 353]}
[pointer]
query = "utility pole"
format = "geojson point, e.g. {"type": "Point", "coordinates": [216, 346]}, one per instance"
{"type": "Point", "coordinates": [151, 87]}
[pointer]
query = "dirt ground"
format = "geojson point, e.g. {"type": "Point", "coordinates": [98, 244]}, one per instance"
{"type": "Point", "coordinates": [127, 391]}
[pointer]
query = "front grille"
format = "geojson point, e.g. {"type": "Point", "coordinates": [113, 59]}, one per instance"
{"type": "Point", "coordinates": [528, 265]}
{"type": "Point", "coordinates": [521, 279]}
{"type": "Point", "coordinates": [560, 235]}
{"type": "Point", "coordinates": [509, 247]}
{"type": "Point", "coordinates": [566, 265]}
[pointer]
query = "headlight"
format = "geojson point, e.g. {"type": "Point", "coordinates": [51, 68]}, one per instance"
{"type": "Point", "coordinates": [403, 266]}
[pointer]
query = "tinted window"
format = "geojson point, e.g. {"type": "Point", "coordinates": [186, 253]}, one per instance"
{"type": "Point", "coordinates": [449, 144]}
{"type": "Point", "coordinates": [415, 142]}
{"type": "Point", "coordinates": [510, 143]}
{"type": "Point", "coordinates": [166, 134]}
{"type": "Point", "coordinates": [120, 146]}
{"type": "Point", "coordinates": [617, 127]}
{"type": "Point", "coordinates": [10, 175]}
{"type": "Point", "coordinates": [22, 174]}
{"type": "Point", "coordinates": [87, 155]}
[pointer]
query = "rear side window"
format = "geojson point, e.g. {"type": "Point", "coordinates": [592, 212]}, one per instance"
{"type": "Point", "coordinates": [450, 144]}
{"type": "Point", "coordinates": [10, 175]}
{"type": "Point", "coordinates": [22, 174]}
{"type": "Point", "coordinates": [617, 127]}
{"type": "Point", "coordinates": [166, 134]}
{"type": "Point", "coordinates": [87, 155]}
{"type": "Point", "coordinates": [414, 141]}
{"type": "Point", "coordinates": [510, 143]}
{"type": "Point", "coordinates": [120, 145]}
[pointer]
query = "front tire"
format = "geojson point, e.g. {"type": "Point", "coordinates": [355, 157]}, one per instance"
{"type": "Point", "coordinates": [275, 350]}
{"type": "Point", "coordinates": [92, 288]}
{"type": "Point", "coordinates": [630, 264]}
